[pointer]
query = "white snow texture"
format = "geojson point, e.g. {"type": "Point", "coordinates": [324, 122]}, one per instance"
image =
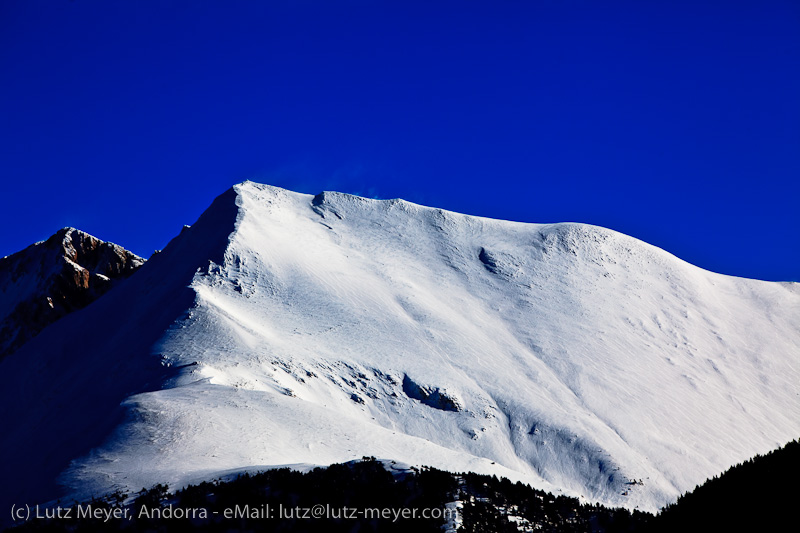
{"type": "Point", "coordinates": [285, 328]}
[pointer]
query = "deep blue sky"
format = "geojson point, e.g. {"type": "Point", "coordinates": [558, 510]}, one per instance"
{"type": "Point", "coordinates": [675, 122]}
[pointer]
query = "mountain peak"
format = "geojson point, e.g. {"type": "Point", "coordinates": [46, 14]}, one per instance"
{"type": "Point", "coordinates": [53, 278]}
{"type": "Point", "coordinates": [285, 328]}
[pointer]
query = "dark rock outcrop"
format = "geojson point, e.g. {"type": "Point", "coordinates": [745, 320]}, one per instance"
{"type": "Point", "coordinates": [53, 278]}
{"type": "Point", "coordinates": [431, 396]}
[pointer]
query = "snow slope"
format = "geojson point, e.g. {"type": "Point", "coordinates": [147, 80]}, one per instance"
{"type": "Point", "coordinates": [285, 328]}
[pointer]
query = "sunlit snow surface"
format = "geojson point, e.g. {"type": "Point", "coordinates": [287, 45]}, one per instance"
{"type": "Point", "coordinates": [322, 329]}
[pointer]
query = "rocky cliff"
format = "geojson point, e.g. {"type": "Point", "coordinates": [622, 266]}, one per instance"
{"type": "Point", "coordinates": [53, 278]}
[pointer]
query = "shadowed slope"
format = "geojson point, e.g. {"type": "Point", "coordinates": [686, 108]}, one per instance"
{"type": "Point", "coordinates": [61, 392]}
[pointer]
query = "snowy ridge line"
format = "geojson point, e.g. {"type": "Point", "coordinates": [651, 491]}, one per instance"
{"type": "Point", "coordinates": [286, 328]}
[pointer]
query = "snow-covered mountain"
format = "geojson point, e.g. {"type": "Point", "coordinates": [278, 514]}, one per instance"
{"type": "Point", "coordinates": [52, 278]}
{"type": "Point", "coordinates": [285, 328]}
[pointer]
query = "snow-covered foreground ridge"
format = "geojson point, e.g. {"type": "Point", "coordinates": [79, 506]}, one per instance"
{"type": "Point", "coordinates": [285, 328]}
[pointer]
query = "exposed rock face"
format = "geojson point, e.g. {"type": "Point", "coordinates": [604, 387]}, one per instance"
{"type": "Point", "coordinates": [53, 278]}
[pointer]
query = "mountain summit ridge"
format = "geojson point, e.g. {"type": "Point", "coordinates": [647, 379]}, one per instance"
{"type": "Point", "coordinates": [286, 328]}
{"type": "Point", "coordinates": [52, 278]}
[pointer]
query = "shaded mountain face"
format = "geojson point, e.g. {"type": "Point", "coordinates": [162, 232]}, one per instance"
{"type": "Point", "coordinates": [50, 279]}
{"type": "Point", "coordinates": [286, 329]}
